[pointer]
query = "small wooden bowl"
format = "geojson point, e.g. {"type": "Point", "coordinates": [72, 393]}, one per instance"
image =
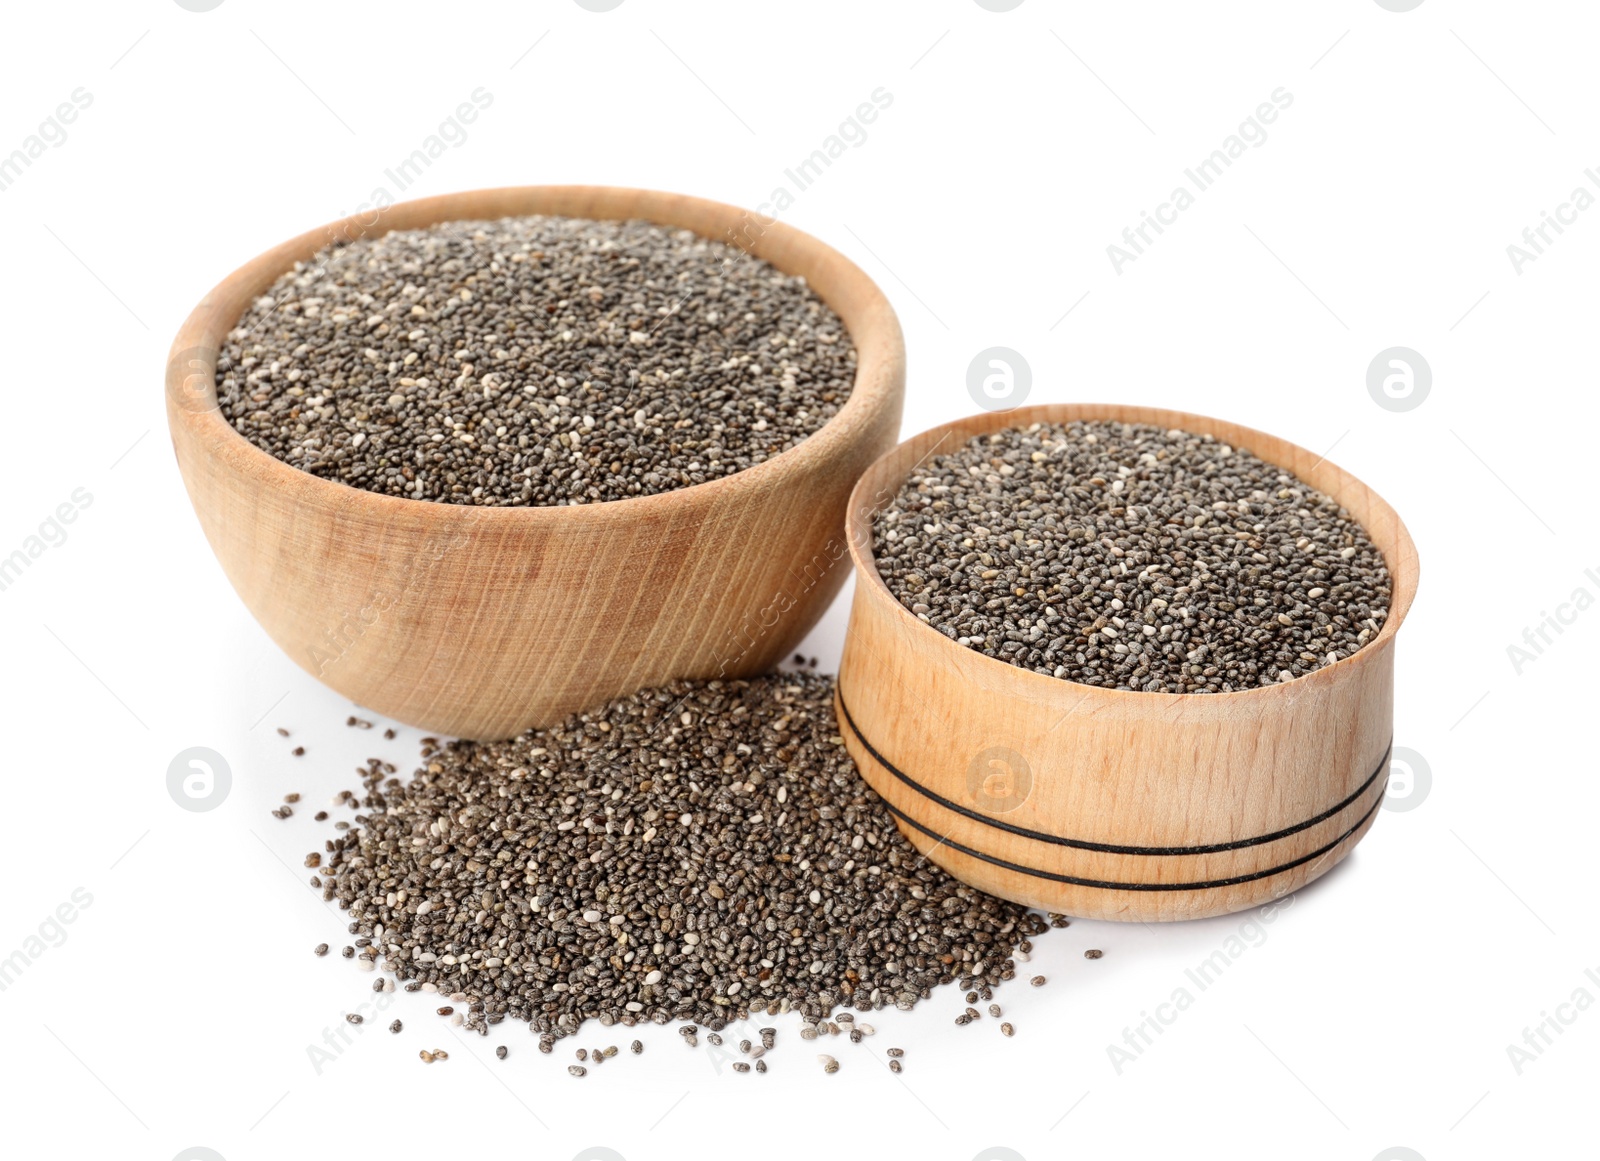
{"type": "Point", "coordinates": [481, 621]}
{"type": "Point", "coordinates": [1103, 803]}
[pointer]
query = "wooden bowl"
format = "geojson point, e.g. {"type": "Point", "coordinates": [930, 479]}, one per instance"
{"type": "Point", "coordinates": [1103, 803]}
{"type": "Point", "coordinates": [480, 621]}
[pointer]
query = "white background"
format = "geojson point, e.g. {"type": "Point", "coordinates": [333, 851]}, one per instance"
{"type": "Point", "coordinates": [1376, 1012]}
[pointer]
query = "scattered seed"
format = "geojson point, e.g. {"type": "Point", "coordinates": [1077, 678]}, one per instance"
{"type": "Point", "coordinates": [320, 949]}
{"type": "Point", "coordinates": [1093, 953]}
{"type": "Point", "coordinates": [500, 1051]}
{"type": "Point", "coordinates": [433, 870]}
{"type": "Point", "coordinates": [577, 1070]}
{"type": "Point", "coordinates": [1006, 1029]}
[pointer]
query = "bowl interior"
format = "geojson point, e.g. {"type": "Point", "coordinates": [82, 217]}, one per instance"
{"type": "Point", "coordinates": [859, 304]}
{"type": "Point", "coordinates": [880, 484]}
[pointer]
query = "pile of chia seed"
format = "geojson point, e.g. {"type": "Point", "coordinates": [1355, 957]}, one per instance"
{"type": "Point", "coordinates": [701, 852]}
{"type": "Point", "coordinates": [533, 361]}
{"type": "Point", "coordinates": [1131, 557]}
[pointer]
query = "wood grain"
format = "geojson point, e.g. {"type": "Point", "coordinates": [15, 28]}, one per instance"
{"type": "Point", "coordinates": [481, 622]}
{"type": "Point", "coordinates": [1090, 801]}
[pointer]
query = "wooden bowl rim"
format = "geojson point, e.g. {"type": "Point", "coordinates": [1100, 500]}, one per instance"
{"type": "Point", "coordinates": [1403, 573]}
{"type": "Point", "coordinates": [871, 323]}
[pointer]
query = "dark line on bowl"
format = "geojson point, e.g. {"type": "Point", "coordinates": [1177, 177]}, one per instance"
{"type": "Point", "coordinates": [1076, 881]}
{"type": "Point", "coordinates": [1108, 848]}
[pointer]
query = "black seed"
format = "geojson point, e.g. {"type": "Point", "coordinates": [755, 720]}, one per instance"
{"type": "Point", "coordinates": [1129, 557]}
{"type": "Point", "coordinates": [536, 360]}
{"type": "Point", "coordinates": [567, 875]}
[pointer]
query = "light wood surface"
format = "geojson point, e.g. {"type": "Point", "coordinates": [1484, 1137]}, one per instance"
{"type": "Point", "coordinates": [989, 767]}
{"type": "Point", "coordinates": [483, 621]}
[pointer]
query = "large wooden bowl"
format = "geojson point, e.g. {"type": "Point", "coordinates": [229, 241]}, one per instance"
{"type": "Point", "coordinates": [481, 621]}
{"type": "Point", "coordinates": [1109, 804]}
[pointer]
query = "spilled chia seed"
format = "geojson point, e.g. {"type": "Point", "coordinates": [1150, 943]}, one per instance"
{"type": "Point", "coordinates": [704, 853]}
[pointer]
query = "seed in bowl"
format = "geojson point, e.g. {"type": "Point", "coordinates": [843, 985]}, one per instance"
{"type": "Point", "coordinates": [533, 361]}
{"type": "Point", "coordinates": [1131, 557]}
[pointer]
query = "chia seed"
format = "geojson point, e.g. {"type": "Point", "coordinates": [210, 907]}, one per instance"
{"type": "Point", "coordinates": [1130, 557]}
{"type": "Point", "coordinates": [533, 361]}
{"type": "Point", "coordinates": [701, 852]}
